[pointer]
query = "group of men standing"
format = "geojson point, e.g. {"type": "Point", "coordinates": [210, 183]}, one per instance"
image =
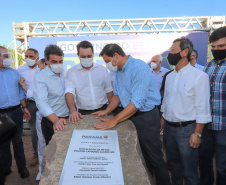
{"type": "Point", "coordinates": [191, 134]}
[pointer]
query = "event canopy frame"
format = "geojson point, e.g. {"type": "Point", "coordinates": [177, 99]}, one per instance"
{"type": "Point", "coordinates": [22, 32]}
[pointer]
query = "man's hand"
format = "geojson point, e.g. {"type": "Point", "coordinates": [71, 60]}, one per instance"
{"type": "Point", "coordinates": [26, 115]}
{"type": "Point", "coordinates": [74, 117]}
{"type": "Point", "coordinates": [194, 141]}
{"type": "Point", "coordinates": [59, 124]}
{"type": "Point", "coordinates": [106, 123]}
{"type": "Point", "coordinates": [22, 82]}
{"type": "Point", "coordinates": [100, 113]}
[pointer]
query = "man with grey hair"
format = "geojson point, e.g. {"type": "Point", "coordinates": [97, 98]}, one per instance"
{"type": "Point", "coordinates": [186, 109]}
{"type": "Point", "coordinates": [158, 72]}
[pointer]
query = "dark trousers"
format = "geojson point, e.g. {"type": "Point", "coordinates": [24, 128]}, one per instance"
{"type": "Point", "coordinates": [3, 170]}
{"type": "Point", "coordinates": [147, 126]}
{"type": "Point", "coordinates": [32, 122]}
{"type": "Point", "coordinates": [182, 159]}
{"type": "Point", "coordinates": [213, 141]}
{"type": "Point", "coordinates": [5, 153]}
{"type": "Point", "coordinates": [87, 112]}
{"type": "Point", "coordinates": [47, 129]}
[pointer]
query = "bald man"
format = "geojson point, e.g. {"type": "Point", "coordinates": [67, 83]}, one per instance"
{"type": "Point", "coordinates": [158, 72]}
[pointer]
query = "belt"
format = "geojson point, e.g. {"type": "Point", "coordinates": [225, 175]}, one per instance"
{"type": "Point", "coordinates": [94, 110]}
{"type": "Point", "coordinates": [64, 117]}
{"type": "Point", "coordinates": [180, 124]}
{"type": "Point", "coordinates": [10, 108]}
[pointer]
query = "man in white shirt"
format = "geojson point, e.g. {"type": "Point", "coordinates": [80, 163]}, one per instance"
{"type": "Point", "coordinates": [193, 58]}
{"type": "Point", "coordinates": [27, 73]}
{"type": "Point", "coordinates": [41, 140]}
{"type": "Point", "coordinates": [158, 72]}
{"type": "Point", "coordinates": [186, 109]}
{"type": "Point", "coordinates": [90, 84]}
{"type": "Point", "coordinates": [49, 91]}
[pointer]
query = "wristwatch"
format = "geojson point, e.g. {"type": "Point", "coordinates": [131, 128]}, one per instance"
{"type": "Point", "coordinates": [23, 107]}
{"type": "Point", "coordinates": [198, 134]}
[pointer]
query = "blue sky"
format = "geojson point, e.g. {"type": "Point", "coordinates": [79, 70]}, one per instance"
{"type": "Point", "coordinates": [67, 10]}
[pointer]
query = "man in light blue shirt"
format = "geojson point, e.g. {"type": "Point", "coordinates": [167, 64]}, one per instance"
{"type": "Point", "coordinates": [11, 99]}
{"type": "Point", "coordinates": [139, 96]}
{"type": "Point", "coordinates": [193, 58]}
{"type": "Point", "coordinates": [158, 72]}
{"type": "Point", "coordinates": [49, 93]}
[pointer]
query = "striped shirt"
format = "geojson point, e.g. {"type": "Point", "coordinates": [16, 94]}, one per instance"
{"type": "Point", "coordinates": [135, 84]}
{"type": "Point", "coordinates": [216, 72]}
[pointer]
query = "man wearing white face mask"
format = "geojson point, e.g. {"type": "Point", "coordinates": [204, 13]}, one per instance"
{"type": "Point", "coordinates": [49, 93]}
{"type": "Point", "coordinates": [27, 73]}
{"type": "Point", "coordinates": [89, 82]}
{"type": "Point", "coordinates": [11, 99]}
{"type": "Point", "coordinates": [158, 72]}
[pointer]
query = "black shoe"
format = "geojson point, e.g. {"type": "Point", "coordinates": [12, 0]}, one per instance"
{"type": "Point", "coordinates": [8, 171]}
{"type": "Point", "coordinates": [23, 172]}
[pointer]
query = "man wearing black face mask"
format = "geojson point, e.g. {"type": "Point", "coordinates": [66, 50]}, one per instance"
{"type": "Point", "coordinates": [186, 109]}
{"type": "Point", "coordinates": [214, 134]}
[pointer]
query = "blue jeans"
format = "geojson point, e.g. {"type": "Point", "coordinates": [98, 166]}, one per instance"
{"type": "Point", "coordinates": [17, 116]}
{"type": "Point", "coordinates": [213, 141]}
{"type": "Point", "coordinates": [182, 159]}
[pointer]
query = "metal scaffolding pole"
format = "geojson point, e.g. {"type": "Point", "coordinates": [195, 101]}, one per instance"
{"type": "Point", "coordinates": [23, 31]}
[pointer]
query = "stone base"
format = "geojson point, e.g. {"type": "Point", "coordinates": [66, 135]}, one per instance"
{"type": "Point", "coordinates": [134, 171]}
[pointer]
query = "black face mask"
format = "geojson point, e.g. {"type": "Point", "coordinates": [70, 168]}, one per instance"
{"type": "Point", "coordinates": [174, 58]}
{"type": "Point", "coordinates": [219, 54]}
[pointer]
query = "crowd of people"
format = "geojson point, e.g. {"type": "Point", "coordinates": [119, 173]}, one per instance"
{"type": "Point", "coordinates": [188, 102]}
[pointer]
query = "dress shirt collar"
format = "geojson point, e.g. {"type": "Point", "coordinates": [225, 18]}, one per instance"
{"type": "Point", "coordinates": [160, 70]}
{"type": "Point", "coordinates": [127, 63]}
{"type": "Point", "coordinates": [5, 69]}
{"type": "Point", "coordinates": [183, 69]}
{"type": "Point", "coordinates": [221, 62]}
{"type": "Point", "coordinates": [50, 72]}
{"type": "Point", "coordinates": [28, 67]}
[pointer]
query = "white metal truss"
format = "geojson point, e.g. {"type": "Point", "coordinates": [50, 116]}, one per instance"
{"type": "Point", "coordinates": [23, 31]}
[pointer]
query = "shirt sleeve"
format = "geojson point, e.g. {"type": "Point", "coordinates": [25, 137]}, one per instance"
{"type": "Point", "coordinates": [141, 80]}
{"type": "Point", "coordinates": [70, 82]}
{"type": "Point", "coordinates": [108, 87]}
{"type": "Point", "coordinates": [202, 99]}
{"type": "Point", "coordinates": [30, 93]}
{"type": "Point", "coordinates": [115, 92]}
{"type": "Point", "coordinates": [21, 91]}
{"type": "Point", "coordinates": [41, 96]}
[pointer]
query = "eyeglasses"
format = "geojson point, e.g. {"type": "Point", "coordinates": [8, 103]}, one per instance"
{"type": "Point", "coordinates": [5, 55]}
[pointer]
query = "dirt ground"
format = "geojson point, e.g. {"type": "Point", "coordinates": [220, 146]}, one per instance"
{"type": "Point", "coordinates": [14, 177]}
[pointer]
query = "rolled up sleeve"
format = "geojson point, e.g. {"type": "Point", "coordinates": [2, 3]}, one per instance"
{"type": "Point", "coordinates": [140, 81]}
{"type": "Point", "coordinates": [69, 83]}
{"type": "Point", "coordinates": [41, 96]}
{"type": "Point", "coordinates": [108, 87]}
{"type": "Point", "coordinates": [202, 100]}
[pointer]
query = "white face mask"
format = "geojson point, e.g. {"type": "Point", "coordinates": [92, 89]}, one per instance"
{"type": "Point", "coordinates": [30, 62]}
{"type": "Point", "coordinates": [154, 65]}
{"type": "Point", "coordinates": [7, 62]}
{"type": "Point", "coordinates": [111, 67]}
{"type": "Point", "coordinates": [57, 68]}
{"type": "Point", "coordinates": [86, 62]}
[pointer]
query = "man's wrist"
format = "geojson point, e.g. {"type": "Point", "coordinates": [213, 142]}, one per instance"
{"type": "Point", "coordinates": [73, 110]}
{"type": "Point", "coordinates": [198, 134]}
{"type": "Point", "coordinates": [23, 107]}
